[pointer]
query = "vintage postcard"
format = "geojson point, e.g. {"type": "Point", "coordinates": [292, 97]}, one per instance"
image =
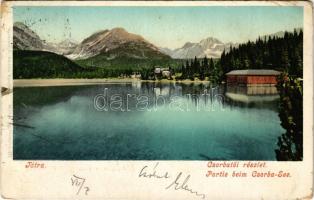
{"type": "Point", "coordinates": [156, 100]}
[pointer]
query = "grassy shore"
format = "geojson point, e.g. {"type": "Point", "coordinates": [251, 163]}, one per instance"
{"type": "Point", "coordinates": [69, 82]}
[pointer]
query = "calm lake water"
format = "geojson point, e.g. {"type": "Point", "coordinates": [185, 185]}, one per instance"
{"type": "Point", "coordinates": [146, 121]}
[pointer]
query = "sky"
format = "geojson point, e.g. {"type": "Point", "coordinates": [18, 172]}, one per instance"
{"type": "Point", "coordinates": [168, 26]}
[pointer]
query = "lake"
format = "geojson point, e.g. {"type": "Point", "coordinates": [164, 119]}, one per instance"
{"type": "Point", "coordinates": [146, 121]}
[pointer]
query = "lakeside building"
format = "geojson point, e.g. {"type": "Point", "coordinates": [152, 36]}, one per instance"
{"type": "Point", "coordinates": [262, 77]}
{"type": "Point", "coordinates": [136, 75]}
{"type": "Point", "coordinates": [162, 72]}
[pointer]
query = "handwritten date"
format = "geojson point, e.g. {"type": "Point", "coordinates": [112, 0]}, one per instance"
{"type": "Point", "coordinates": [79, 182]}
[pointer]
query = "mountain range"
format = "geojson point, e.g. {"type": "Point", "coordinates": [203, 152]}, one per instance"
{"type": "Point", "coordinates": [26, 39]}
{"type": "Point", "coordinates": [65, 47]}
{"type": "Point", "coordinates": [111, 44]}
{"type": "Point", "coordinates": [209, 47]}
{"type": "Point", "coordinates": [117, 43]}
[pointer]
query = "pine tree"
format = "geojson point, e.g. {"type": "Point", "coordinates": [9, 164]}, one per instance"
{"type": "Point", "coordinates": [211, 66]}
{"type": "Point", "coordinates": [206, 66]}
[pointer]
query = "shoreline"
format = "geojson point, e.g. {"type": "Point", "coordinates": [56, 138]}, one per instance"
{"type": "Point", "coordinates": [73, 82]}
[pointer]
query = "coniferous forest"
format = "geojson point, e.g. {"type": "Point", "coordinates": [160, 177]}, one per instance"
{"type": "Point", "coordinates": [283, 54]}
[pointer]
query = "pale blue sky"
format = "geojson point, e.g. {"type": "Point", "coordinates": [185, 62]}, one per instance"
{"type": "Point", "coordinates": [163, 26]}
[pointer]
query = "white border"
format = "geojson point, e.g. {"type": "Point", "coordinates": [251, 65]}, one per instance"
{"type": "Point", "coordinates": [119, 179]}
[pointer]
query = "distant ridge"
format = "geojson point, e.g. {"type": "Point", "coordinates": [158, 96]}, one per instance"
{"type": "Point", "coordinates": [279, 34]}
{"type": "Point", "coordinates": [209, 47]}
{"type": "Point", "coordinates": [25, 38]}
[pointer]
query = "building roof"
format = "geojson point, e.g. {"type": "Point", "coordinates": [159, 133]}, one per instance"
{"type": "Point", "coordinates": [157, 70]}
{"type": "Point", "coordinates": [254, 72]}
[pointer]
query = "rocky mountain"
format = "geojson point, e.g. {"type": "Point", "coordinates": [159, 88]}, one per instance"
{"type": "Point", "coordinates": [65, 47]}
{"type": "Point", "coordinates": [26, 39]}
{"type": "Point", "coordinates": [209, 47]}
{"type": "Point", "coordinates": [116, 43]}
{"type": "Point", "coordinates": [106, 44]}
{"type": "Point", "coordinates": [166, 51]}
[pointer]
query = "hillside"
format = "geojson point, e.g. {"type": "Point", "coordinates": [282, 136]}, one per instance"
{"type": "Point", "coordinates": [126, 57]}
{"type": "Point", "coordinates": [41, 64]}
{"type": "Point", "coordinates": [26, 39]}
{"type": "Point", "coordinates": [114, 44]}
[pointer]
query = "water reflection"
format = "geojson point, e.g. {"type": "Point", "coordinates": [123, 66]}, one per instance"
{"type": "Point", "coordinates": [67, 125]}
{"type": "Point", "coordinates": [262, 97]}
{"type": "Point", "coordinates": [249, 94]}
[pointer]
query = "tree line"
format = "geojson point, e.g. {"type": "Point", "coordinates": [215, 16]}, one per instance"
{"type": "Point", "coordinates": [200, 68]}
{"type": "Point", "coordinates": [279, 53]}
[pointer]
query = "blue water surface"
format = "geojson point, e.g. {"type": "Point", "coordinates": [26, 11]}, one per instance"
{"type": "Point", "coordinates": [62, 123]}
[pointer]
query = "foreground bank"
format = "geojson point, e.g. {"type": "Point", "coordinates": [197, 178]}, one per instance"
{"type": "Point", "coordinates": [65, 82]}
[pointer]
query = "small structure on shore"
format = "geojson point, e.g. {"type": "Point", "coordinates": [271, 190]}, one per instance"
{"type": "Point", "coordinates": [162, 72]}
{"type": "Point", "coordinates": [261, 77]}
{"type": "Point", "coordinates": [136, 75]}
